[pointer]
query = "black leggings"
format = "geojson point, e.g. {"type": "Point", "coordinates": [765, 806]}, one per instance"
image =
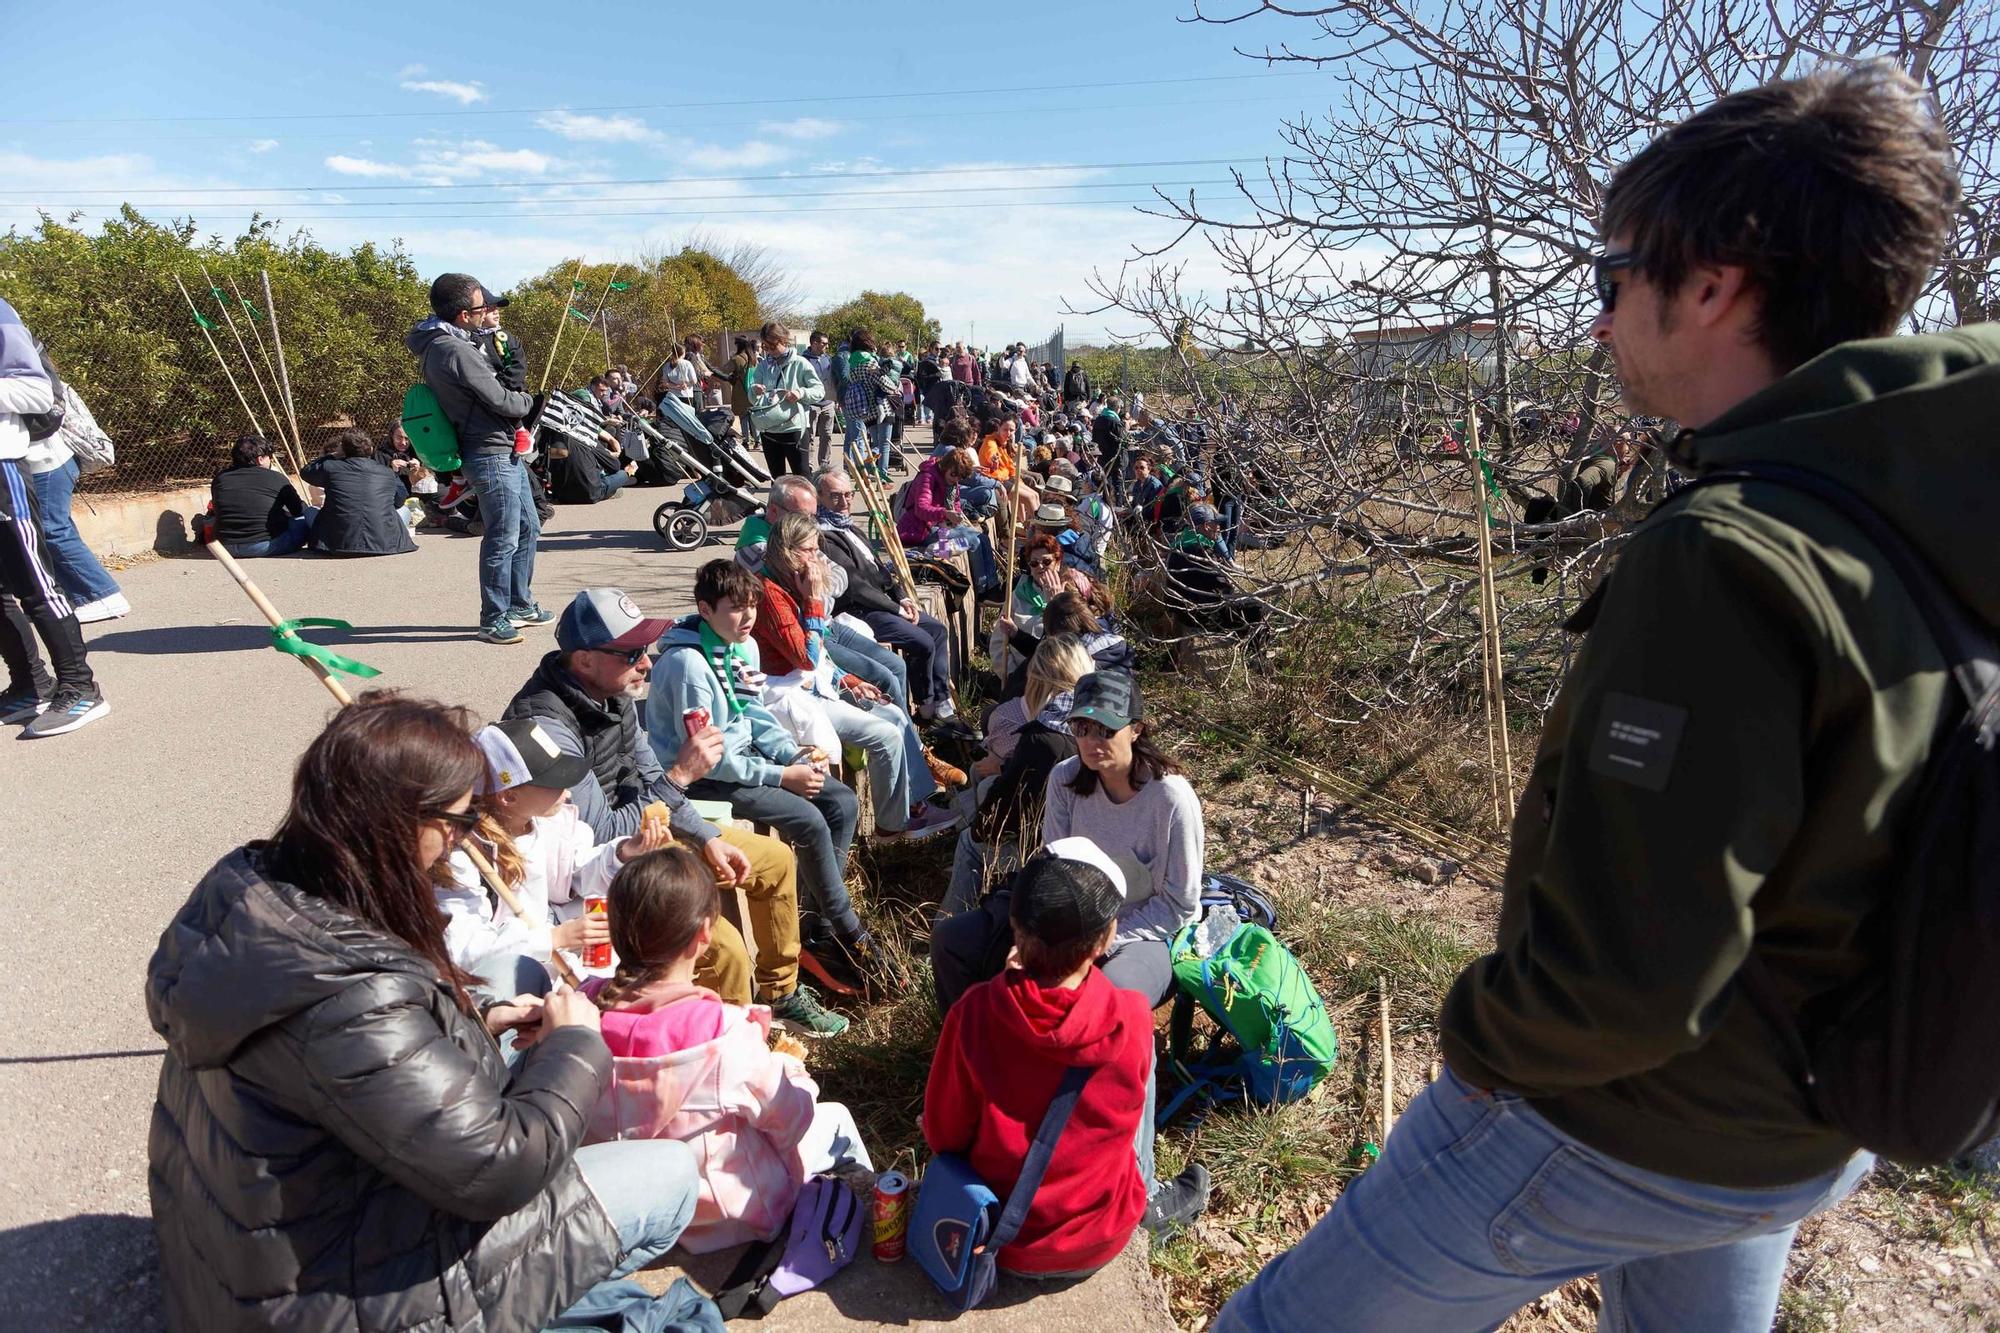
{"type": "Point", "coordinates": [31, 602]}
{"type": "Point", "coordinates": [784, 452]}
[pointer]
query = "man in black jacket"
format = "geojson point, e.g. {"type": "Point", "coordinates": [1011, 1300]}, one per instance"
{"type": "Point", "coordinates": [485, 414]}
{"type": "Point", "coordinates": [882, 603]}
{"type": "Point", "coordinates": [1075, 388]}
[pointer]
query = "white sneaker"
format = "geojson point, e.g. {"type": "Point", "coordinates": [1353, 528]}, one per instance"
{"type": "Point", "coordinates": [104, 608]}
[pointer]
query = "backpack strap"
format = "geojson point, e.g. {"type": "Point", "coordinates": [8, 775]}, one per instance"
{"type": "Point", "coordinates": [1972, 656]}
{"type": "Point", "coordinates": [1068, 1092]}
{"type": "Point", "coordinates": [748, 1286]}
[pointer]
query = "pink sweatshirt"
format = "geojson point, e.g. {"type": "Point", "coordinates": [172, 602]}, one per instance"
{"type": "Point", "coordinates": [687, 1066]}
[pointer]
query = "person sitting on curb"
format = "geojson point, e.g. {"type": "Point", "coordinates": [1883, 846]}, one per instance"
{"type": "Point", "coordinates": [931, 514]}
{"type": "Point", "coordinates": [854, 647]}
{"type": "Point", "coordinates": [709, 662]}
{"type": "Point", "coordinates": [584, 696]}
{"type": "Point", "coordinates": [364, 512]}
{"type": "Point", "coordinates": [1009, 1042]}
{"type": "Point", "coordinates": [255, 509]}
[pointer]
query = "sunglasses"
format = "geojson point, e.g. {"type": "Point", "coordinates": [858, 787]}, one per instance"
{"type": "Point", "coordinates": [630, 658]}
{"type": "Point", "coordinates": [1602, 267]}
{"type": "Point", "coordinates": [462, 821]}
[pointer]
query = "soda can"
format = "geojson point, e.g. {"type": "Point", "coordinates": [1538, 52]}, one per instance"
{"type": "Point", "coordinates": [596, 955]}
{"type": "Point", "coordinates": [694, 719]}
{"type": "Point", "coordinates": [890, 1214]}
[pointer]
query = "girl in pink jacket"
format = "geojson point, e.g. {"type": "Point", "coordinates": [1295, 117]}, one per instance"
{"type": "Point", "coordinates": [687, 1066]}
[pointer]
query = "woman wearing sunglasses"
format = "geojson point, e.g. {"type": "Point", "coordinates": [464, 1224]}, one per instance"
{"type": "Point", "coordinates": [336, 1138]}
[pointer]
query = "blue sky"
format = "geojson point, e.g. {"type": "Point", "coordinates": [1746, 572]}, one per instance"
{"type": "Point", "coordinates": [499, 138]}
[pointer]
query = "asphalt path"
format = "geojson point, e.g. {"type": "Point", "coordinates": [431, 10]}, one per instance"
{"type": "Point", "coordinates": [103, 833]}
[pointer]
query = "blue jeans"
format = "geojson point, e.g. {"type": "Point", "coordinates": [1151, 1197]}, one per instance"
{"type": "Point", "coordinates": [980, 496]}
{"type": "Point", "coordinates": [1479, 1205]}
{"type": "Point", "coordinates": [512, 527]}
{"type": "Point", "coordinates": [818, 829]}
{"type": "Point", "coordinates": [878, 440]}
{"type": "Point", "coordinates": [859, 655]}
{"type": "Point", "coordinates": [75, 568]}
{"type": "Point", "coordinates": [923, 648]}
{"type": "Point", "coordinates": [649, 1188]}
{"type": "Point", "coordinates": [613, 483]}
{"type": "Point", "coordinates": [898, 777]}
{"type": "Point", "coordinates": [294, 538]}
{"type": "Point", "coordinates": [985, 574]}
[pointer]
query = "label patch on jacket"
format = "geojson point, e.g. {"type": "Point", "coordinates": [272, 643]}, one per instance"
{"type": "Point", "coordinates": [1636, 740]}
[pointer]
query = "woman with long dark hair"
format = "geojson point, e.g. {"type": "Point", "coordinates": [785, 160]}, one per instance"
{"type": "Point", "coordinates": [337, 1141]}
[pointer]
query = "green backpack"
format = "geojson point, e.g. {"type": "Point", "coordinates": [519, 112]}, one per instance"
{"type": "Point", "coordinates": [1260, 997]}
{"type": "Point", "coordinates": [431, 433]}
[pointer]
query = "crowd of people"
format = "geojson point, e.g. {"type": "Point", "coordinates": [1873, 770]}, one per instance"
{"type": "Point", "coordinates": [413, 1079]}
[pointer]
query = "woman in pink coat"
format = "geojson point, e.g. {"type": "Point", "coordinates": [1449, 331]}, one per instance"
{"type": "Point", "coordinates": [687, 1066]}
{"type": "Point", "coordinates": [931, 513]}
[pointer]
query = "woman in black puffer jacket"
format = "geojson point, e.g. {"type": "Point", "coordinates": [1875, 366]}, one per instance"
{"type": "Point", "coordinates": [338, 1143]}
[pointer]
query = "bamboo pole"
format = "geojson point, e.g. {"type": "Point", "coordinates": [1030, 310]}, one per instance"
{"type": "Point", "coordinates": [1388, 1065]}
{"type": "Point", "coordinates": [602, 297]}
{"type": "Point", "coordinates": [341, 696]}
{"type": "Point", "coordinates": [1013, 551]}
{"type": "Point", "coordinates": [199, 323]}
{"type": "Point", "coordinates": [278, 339]}
{"type": "Point", "coordinates": [562, 325]}
{"type": "Point", "coordinates": [292, 447]}
{"type": "Point", "coordinates": [270, 369]}
{"type": "Point", "coordinates": [1499, 743]}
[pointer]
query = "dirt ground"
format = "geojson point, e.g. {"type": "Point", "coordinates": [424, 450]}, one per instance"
{"type": "Point", "coordinates": [1908, 1251]}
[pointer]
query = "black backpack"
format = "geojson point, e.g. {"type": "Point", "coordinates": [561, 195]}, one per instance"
{"type": "Point", "coordinates": [1904, 1061]}
{"type": "Point", "coordinates": [41, 425]}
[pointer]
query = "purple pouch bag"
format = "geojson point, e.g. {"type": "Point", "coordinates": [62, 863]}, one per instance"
{"type": "Point", "coordinates": [823, 1238]}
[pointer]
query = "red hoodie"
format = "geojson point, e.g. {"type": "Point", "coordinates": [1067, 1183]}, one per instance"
{"type": "Point", "coordinates": [1004, 1048]}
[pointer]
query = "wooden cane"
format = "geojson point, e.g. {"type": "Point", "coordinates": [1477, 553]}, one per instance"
{"type": "Point", "coordinates": [339, 692]}
{"type": "Point", "coordinates": [270, 368]}
{"type": "Point", "coordinates": [294, 447]}
{"type": "Point", "coordinates": [201, 323]}
{"type": "Point", "coordinates": [602, 297]}
{"type": "Point", "coordinates": [278, 340]}
{"type": "Point", "coordinates": [1388, 1066]}
{"type": "Point", "coordinates": [1489, 617]}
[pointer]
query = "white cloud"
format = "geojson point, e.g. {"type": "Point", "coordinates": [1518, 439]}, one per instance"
{"type": "Point", "coordinates": [362, 166]}
{"type": "Point", "coordinates": [411, 71]}
{"type": "Point", "coordinates": [803, 127]}
{"type": "Point", "coordinates": [262, 145]}
{"type": "Point", "coordinates": [714, 157]}
{"type": "Point", "coordinates": [465, 94]}
{"type": "Point", "coordinates": [598, 129]}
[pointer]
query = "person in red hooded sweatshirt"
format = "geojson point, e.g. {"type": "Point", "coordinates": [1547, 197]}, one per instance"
{"type": "Point", "coordinates": [1006, 1045]}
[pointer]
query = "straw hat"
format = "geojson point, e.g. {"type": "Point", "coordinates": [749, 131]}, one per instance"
{"type": "Point", "coordinates": [1051, 516]}
{"type": "Point", "coordinates": [1058, 484]}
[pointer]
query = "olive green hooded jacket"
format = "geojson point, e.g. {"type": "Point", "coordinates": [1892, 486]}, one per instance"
{"type": "Point", "coordinates": [1729, 765]}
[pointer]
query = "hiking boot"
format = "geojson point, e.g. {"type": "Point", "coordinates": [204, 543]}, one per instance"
{"type": "Point", "coordinates": [1178, 1202]}
{"type": "Point", "coordinates": [801, 1012]}
{"type": "Point", "coordinates": [104, 608]}
{"type": "Point", "coordinates": [859, 965]}
{"type": "Point", "coordinates": [500, 631]}
{"type": "Point", "coordinates": [942, 773]}
{"type": "Point", "coordinates": [17, 706]}
{"type": "Point", "coordinates": [531, 616]}
{"type": "Point", "coordinates": [69, 709]}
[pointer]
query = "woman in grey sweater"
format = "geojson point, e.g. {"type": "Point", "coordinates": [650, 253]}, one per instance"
{"type": "Point", "coordinates": [1126, 796]}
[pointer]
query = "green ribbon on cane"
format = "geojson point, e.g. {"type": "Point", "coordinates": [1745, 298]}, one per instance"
{"type": "Point", "coordinates": [619, 286]}
{"type": "Point", "coordinates": [1492, 486]}
{"type": "Point", "coordinates": [576, 314]}
{"type": "Point", "coordinates": [285, 638]}
{"type": "Point", "coordinates": [203, 321]}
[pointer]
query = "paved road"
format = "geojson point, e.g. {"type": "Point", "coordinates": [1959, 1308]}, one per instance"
{"type": "Point", "coordinates": [103, 833]}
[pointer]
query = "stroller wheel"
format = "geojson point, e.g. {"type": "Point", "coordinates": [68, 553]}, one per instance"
{"type": "Point", "coordinates": [681, 529]}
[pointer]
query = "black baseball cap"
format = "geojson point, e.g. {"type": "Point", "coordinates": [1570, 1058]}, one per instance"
{"type": "Point", "coordinates": [520, 753]}
{"type": "Point", "coordinates": [1070, 890]}
{"type": "Point", "coordinates": [1109, 698]}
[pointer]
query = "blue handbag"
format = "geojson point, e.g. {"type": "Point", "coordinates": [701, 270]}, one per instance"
{"type": "Point", "coordinates": [959, 1227]}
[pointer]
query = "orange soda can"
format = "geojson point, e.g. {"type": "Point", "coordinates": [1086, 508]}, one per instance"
{"type": "Point", "coordinates": [596, 955]}
{"type": "Point", "coordinates": [890, 1213]}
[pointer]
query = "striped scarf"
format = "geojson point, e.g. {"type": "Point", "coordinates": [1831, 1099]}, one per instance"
{"type": "Point", "coordinates": [731, 664]}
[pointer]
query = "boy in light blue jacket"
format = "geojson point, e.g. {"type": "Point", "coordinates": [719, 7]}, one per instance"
{"type": "Point", "coordinates": [708, 661]}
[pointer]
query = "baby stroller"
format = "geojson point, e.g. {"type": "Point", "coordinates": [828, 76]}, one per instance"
{"type": "Point", "coordinates": [686, 445]}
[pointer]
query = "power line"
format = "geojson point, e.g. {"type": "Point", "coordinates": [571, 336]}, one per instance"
{"type": "Point", "coordinates": [563, 201]}
{"type": "Point", "coordinates": [926, 116]}
{"type": "Point", "coordinates": [634, 106]}
{"type": "Point", "coordinates": [666, 213]}
{"type": "Point", "coordinates": [348, 187]}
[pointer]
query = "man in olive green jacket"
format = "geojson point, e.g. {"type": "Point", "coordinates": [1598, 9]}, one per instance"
{"type": "Point", "coordinates": [1728, 768]}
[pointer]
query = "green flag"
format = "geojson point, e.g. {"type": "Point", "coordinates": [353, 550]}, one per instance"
{"type": "Point", "coordinates": [578, 314]}
{"type": "Point", "coordinates": [620, 286]}
{"type": "Point", "coordinates": [249, 309]}
{"type": "Point", "coordinates": [578, 286]}
{"type": "Point", "coordinates": [202, 320]}
{"type": "Point", "coordinates": [219, 297]}
{"type": "Point", "coordinates": [285, 638]}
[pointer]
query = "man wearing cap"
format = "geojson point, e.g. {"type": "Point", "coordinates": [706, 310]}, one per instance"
{"type": "Point", "coordinates": [485, 413]}
{"type": "Point", "coordinates": [585, 696]}
{"type": "Point", "coordinates": [1198, 568]}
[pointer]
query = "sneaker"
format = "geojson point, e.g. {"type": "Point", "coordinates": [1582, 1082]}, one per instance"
{"type": "Point", "coordinates": [926, 821]}
{"type": "Point", "coordinates": [801, 1012]}
{"type": "Point", "coordinates": [71, 708]}
{"type": "Point", "coordinates": [945, 775]}
{"type": "Point", "coordinates": [17, 707]}
{"type": "Point", "coordinates": [453, 494]}
{"type": "Point", "coordinates": [1178, 1202]}
{"type": "Point", "coordinates": [532, 616]}
{"type": "Point", "coordinates": [500, 631]}
{"type": "Point", "coordinates": [858, 966]}
{"type": "Point", "coordinates": [104, 608]}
